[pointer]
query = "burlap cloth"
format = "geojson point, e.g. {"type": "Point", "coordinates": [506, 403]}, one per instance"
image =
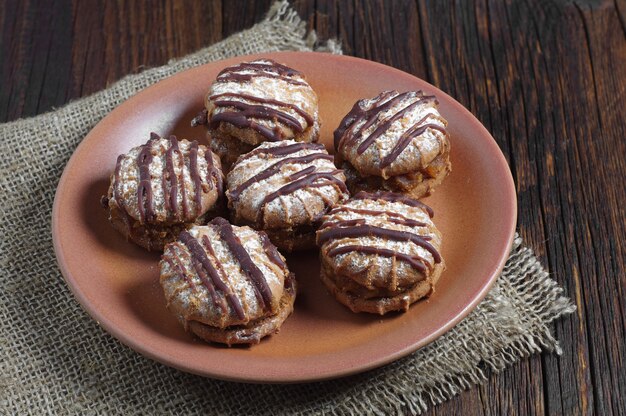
{"type": "Point", "coordinates": [56, 360]}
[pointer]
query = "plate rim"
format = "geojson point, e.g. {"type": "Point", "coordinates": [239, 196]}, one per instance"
{"type": "Point", "coordinates": [145, 350]}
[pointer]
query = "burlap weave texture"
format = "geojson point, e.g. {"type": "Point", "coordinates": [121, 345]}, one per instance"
{"type": "Point", "coordinates": [54, 359]}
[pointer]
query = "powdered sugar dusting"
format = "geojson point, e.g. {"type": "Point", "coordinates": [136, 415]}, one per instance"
{"type": "Point", "coordinates": [129, 179]}
{"type": "Point", "coordinates": [278, 89]}
{"type": "Point", "coordinates": [358, 262]}
{"type": "Point", "coordinates": [419, 153]}
{"type": "Point", "coordinates": [197, 300]}
{"type": "Point", "coordinates": [298, 207]}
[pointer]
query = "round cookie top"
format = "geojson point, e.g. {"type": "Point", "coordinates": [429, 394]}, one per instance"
{"type": "Point", "coordinates": [284, 184]}
{"type": "Point", "coordinates": [166, 181]}
{"type": "Point", "coordinates": [271, 100]}
{"type": "Point", "coordinates": [222, 275]}
{"type": "Point", "coordinates": [392, 134]}
{"type": "Point", "coordinates": [380, 240]}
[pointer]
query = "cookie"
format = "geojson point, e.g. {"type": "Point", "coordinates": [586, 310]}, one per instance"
{"type": "Point", "coordinates": [395, 141]}
{"type": "Point", "coordinates": [258, 101]}
{"type": "Point", "coordinates": [284, 188]}
{"type": "Point", "coordinates": [380, 252]}
{"type": "Point", "coordinates": [227, 284]}
{"type": "Point", "coordinates": [163, 187]}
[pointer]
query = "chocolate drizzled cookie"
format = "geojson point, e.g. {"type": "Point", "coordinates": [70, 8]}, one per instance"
{"type": "Point", "coordinates": [380, 252]}
{"type": "Point", "coordinates": [227, 284]}
{"type": "Point", "coordinates": [253, 102]}
{"type": "Point", "coordinates": [285, 188]}
{"type": "Point", "coordinates": [394, 141]}
{"type": "Point", "coordinates": [162, 187]}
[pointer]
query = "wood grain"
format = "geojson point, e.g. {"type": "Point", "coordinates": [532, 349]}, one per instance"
{"type": "Point", "coordinates": [547, 78]}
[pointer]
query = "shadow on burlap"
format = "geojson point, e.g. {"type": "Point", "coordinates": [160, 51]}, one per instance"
{"type": "Point", "coordinates": [54, 359]}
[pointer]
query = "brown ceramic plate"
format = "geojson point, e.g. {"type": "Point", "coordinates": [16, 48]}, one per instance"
{"type": "Point", "coordinates": [117, 282]}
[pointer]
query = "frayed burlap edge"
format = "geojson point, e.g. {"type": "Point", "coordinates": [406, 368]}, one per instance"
{"type": "Point", "coordinates": [512, 322]}
{"type": "Point", "coordinates": [55, 360]}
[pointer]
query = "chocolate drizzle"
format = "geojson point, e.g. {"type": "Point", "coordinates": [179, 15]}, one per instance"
{"type": "Point", "coordinates": [393, 217]}
{"type": "Point", "coordinates": [341, 233]}
{"type": "Point", "coordinates": [268, 65]}
{"type": "Point", "coordinates": [232, 298]}
{"type": "Point", "coordinates": [366, 230]}
{"type": "Point", "coordinates": [306, 116]}
{"type": "Point", "coordinates": [406, 221]}
{"type": "Point", "coordinates": [301, 173]}
{"type": "Point", "coordinates": [218, 300]}
{"type": "Point", "coordinates": [262, 289]}
{"type": "Point", "coordinates": [285, 150]}
{"type": "Point", "coordinates": [205, 266]}
{"type": "Point", "coordinates": [343, 223]}
{"type": "Point", "coordinates": [271, 252]}
{"type": "Point", "coordinates": [406, 138]}
{"type": "Point", "coordinates": [194, 172]}
{"type": "Point", "coordinates": [183, 188]}
{"type": "Point", "coordinates": [116, 189]}
{"type": "Point", "coordinates": [307, 180]}
{"type": "Point", "coordinates": [118, 198]}
{"type": "Point", "coordinates": [200, 119]}
{"type": "Point", "coordinates": [179, 270]}
{"type": "Point", "coordinates": [145, 203]}
{"type": "Point", "coordinates": [358, 114]}
{"type": "Point", "coordinates": [266, 68]}
{"type": "Point", "coordinates": [213, 173]}
{"type": "Point", "coordinates": [392, 197]}
{"type": "Point", "coordinates": [385, 124]}
{"type": "Point", "coordinates": [247, 114]}
{"type": "Point", "coordinates": [171, 195]}
{"type": "Point", "coordinates": [171, 174]}
{"type": "Point", "coordinates": [170, 178]}
{"type": "Point", "coordinates": [274, 169]}
{"type": "Point", "coordinates": [237, 77]}
{"type": "Point", "coordinates": [416, 262]}
{"type": "Point", "coordinates": [346, 136]}
{"type": "Point", "coordinates": [242, 118]}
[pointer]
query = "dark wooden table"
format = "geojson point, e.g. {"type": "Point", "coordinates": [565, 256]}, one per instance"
{"type": "Point", "coordinates": [546, 77]}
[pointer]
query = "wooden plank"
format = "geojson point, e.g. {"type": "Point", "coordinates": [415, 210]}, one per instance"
{"type": "Point", "coordinates": [152, 33]}
{"type": "Point", "coordinates": [600, 132]}
{"type": "Point", "coordinates": [340, 18]}
{"type": "Point", "coordinates": [326, 19]}
{"type": "Point", "coordinates": [527, 55]}
{"type": "Point", "coordinates": [53, 53]}
{"type": "Point", "coordinates": [466, 60]}
{"type": "Point", "coordinates": [30, 43]}
{"type": "Point", "coordinates": [306, 9]}
{"type": "Point", "coordinates": [242, 14]}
